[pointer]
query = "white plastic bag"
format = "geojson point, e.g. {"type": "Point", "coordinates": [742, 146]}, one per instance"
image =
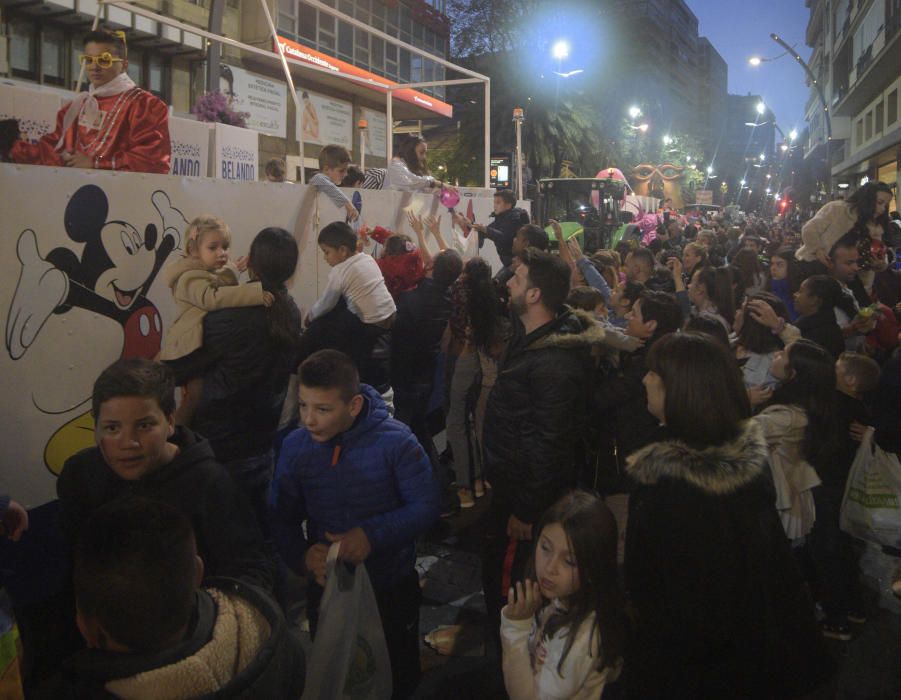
{"type": "Point", "coordinates": [349, 659]}
{"type": "Point", "coordinates": [871, 508]}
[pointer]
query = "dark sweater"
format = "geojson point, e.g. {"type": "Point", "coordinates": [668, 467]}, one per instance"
{"type": "Point", "coordinates": [822, 328]}
{"type": "Point", "coordinates": [228, 538]}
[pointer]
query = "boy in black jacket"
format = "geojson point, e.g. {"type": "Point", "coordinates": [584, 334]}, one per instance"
{"type": "Point", "coordinates": [140, 452]}
{"type": "Point", "coordinates": [832, 549]}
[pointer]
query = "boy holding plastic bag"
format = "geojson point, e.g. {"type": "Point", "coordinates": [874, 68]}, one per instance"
{"type": "Point", "coordinates": [358, 477]}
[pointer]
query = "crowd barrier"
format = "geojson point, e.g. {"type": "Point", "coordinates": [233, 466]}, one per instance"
{"type": "Point", "coordinates": [82, 253]}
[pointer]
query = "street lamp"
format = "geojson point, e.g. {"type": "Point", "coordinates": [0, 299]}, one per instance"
{"type": "Point", "coordinates": [710, 170]}
{"type": "Point", "coordinates": [761, 108]}
{"type": "Point", "coordinates": [756, 61]}
{"type": "Point", "coordinates": [634, 112]}
{"type": "Point", "coordinates": [667, 140]}
{"type": "Point", "coordinates": [560, 49]}
{"type": "Point", "coordinates": [792, 135]}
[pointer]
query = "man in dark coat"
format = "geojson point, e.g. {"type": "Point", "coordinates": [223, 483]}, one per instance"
{"type": "Point", "coordinates": [534, 416]}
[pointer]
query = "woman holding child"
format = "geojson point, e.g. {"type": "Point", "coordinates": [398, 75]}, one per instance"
{"type": "Point", "coordinates": [253, 351]}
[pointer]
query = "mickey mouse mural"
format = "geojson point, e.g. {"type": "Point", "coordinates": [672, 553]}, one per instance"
{"type": "Point", "coordinates": [111, 278]}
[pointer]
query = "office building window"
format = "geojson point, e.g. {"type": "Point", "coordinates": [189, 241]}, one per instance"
{"type": "Point", "coordinates": [156, 76]}
{"type": "Point", "coordinates": [868, 121]}
{"type": "Point", "coordinates": [306, 22]}
{"type": "Point", "coordinates": [23, 49]}
{"type": "Point", "coordinates": [345, 41]}
{"type": "Point", "coordinates": [880, 115]}
{"type": "Point", "coordinates": [404, 65]}
{"type": "Point", "coordinates": [892, 115]}
{"type": "Point", "coordinates": [53, 56]}
{"type": "Point", "coordinates": [377, 54]}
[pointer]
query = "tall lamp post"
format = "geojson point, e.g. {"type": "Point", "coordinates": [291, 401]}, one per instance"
{"type": "Point", "coordinates": [756, 61]}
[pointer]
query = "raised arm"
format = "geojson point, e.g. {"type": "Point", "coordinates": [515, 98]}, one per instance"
{"type": "Point", "coordinates": [416, 224]}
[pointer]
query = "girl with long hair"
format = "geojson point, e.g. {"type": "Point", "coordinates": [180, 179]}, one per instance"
{"type": "Point", "coordinates": [563, 628]}
{"type": "Point", "coordinates": [784, 279]}
{"type": "Point", "coordinates": [757, 345]}
{"type": "Point", "coordinates": [799, 425]}
{"type": "Point", "coordinates": [717, 602]}
{"type": "Point", "coordinates": [710, 293]}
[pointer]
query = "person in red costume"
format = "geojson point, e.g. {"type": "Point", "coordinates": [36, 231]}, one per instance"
{"type": "Point", "coordinates": [114, 126]}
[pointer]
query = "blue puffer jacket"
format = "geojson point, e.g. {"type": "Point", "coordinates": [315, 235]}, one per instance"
{"type": "Point", "coordinates": [382, 482]}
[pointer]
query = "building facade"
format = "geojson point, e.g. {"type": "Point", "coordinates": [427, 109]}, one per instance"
{"type": "Point", "coordinates": [747, 150]}
{"type": "Point", "coordinates": [40, 43]}
{"type": "Point", "coordinates": [857, 61]}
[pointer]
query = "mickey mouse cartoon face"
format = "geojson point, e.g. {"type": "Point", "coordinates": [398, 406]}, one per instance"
{"type": "Point", "coordinates": [131, 256]}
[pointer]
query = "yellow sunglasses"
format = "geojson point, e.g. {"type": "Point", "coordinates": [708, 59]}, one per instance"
{"type": "Point", "coordinates": [104, 60]}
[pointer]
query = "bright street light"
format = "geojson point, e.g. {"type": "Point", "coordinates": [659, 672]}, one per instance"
{"type": "Point", "coordinates": [710, 170]}
{"type": "Point", "coordinates": [634, 112]}
{"type": "Point", "coordinates": [792, 135]}
{"type": "Point", "coordinates": [560, 49]}
{"type": "Point", "coordinates": [642, 127]}
{"type": "Point", "coordinates": [784, 147]}
{"type": "Point", "coordinates": [742, 183]}
{"type": "Point", "coordinates": [667, 140]}
{"type": "Point", "coordinates": [761, 108]}
{"type": "Point", "coordinates": [762, 157]}
{"type": "Point", "coordinates": [755, 61]}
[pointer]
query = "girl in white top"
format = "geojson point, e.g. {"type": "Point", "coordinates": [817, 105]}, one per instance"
{"type": "Point", "coordinates": [408, 170]}
{"type": "Point", "coordinates": [562, 632]}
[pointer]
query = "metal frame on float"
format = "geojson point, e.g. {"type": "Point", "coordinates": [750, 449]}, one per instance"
{"type": "Point", "coordinates": [472, 78]}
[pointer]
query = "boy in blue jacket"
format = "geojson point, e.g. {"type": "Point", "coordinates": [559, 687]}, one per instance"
{"type": "Point", "coordinates": [360, 477]}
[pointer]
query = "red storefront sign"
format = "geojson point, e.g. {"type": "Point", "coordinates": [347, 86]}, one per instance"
{"type": "Point", "coordinates": [307, 55]}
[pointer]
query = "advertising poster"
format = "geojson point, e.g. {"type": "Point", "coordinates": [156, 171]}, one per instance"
{"type": "Point", "coordinates": [326, 120]}
{"type": "Point", "coordinates": [264, 99]}
{"type": "Point", "coordinates": [376, 133]}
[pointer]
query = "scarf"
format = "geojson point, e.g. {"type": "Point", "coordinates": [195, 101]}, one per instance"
{"type": "Point", "coordinates": [86, 103]}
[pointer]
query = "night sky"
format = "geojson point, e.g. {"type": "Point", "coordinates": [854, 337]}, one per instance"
{"type": "Point", "coordinates": [740, 29]}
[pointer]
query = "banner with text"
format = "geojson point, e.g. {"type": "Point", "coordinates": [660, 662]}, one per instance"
{"type": "Point", "coordinates": [237, 153]}
{"type": "Point", "coordinates": [190, 147]}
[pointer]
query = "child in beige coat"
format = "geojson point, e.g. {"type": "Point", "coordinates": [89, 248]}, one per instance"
{"type": "Point", "coordinates": [204, 280]}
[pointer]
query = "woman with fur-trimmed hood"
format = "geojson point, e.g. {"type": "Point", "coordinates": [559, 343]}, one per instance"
{"type": "Point", "coordinates": [717, 601]}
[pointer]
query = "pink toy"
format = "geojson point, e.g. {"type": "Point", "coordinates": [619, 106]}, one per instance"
{"type": "Point", "coordinates": [449, 198]}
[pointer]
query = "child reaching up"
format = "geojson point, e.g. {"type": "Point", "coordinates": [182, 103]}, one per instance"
{"type": "Point", "coordinates": [563, 631]}
{"type": "Point", "coordinates": [204, 280]}
{"type": "Point", "coordinates": [354, 276]}
{"type": "Point", "coordinates": [333, 163]}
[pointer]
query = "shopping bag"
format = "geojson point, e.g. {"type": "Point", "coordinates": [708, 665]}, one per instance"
{"type": "Point", "coordinates": [349, 659]}
{"type": "Point", "coordinates": [871, 508]}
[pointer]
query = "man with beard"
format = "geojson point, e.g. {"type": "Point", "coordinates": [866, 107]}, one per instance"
{"type": "Point", "coordinates": [534, 417]}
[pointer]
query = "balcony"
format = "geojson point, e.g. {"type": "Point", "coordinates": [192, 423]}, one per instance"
{"type": "Point", "coordinates": [857, 81]}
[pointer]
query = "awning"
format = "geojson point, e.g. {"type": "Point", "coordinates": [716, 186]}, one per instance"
{"type": "Point", "coordinates": [408, 103]}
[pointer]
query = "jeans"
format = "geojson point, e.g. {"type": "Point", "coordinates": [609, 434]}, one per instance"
{"type": "Point", "coordinates": [253, 475]}
{"type": "Point", "coordinates": [411, 404]}
{"type": "Point", "coordinates": [458, 429]}
{"type": "Point", "coordinates": [834, 556]}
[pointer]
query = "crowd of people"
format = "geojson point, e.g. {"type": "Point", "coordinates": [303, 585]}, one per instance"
{"type": "Point", "coordinates": [721, 373]}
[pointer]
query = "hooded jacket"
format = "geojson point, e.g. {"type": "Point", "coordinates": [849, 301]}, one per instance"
{"type": "Point", "coordinates": [503, 230]}
{"type": "Point", "coordinates": [228, 537]}
{"type": "Point", "coordinates": [197, 290]}
{"type": "Point", "coordinates": [535, 414]}
{"type": "Point", "coordinates": [238, 646]}
{"type": "Point", "coordinates": [718, 603]}
{"type": "Point", "coordinates": [374, 476]}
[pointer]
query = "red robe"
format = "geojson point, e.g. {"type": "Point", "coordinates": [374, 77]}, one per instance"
{"type": "Point", "coordinates": [133, 136]}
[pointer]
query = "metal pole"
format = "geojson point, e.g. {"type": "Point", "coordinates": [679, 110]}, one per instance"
{"type": "Point", "coordinates": [297, 106]}
{"type": "Point", "coordinates": [825, 106]}
{"type": "Point", "coordinates": [487, 132]}
{"type": "Point", "coordinates": [363, 145]}
{"type": "Point", "coordinates": [214, 48]}
{"type": "Point", "coordinates": [518, 118]}
{"type": "Point", "coordinates": [389, 118]}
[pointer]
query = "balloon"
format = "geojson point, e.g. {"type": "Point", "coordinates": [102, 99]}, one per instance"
{"type": "Point", "coordinates": [449, 198]}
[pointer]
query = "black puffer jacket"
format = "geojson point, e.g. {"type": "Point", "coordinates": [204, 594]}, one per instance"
{"type": "Point", "coordinates": [535, 414]}
{"type": "Point", "coordinates": [503, 230]}
{"type": "Point", "coordinates": [245, 385]}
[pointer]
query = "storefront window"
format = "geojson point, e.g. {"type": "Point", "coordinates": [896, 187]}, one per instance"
{"type": "Point", "coordinates": [22, 49]}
